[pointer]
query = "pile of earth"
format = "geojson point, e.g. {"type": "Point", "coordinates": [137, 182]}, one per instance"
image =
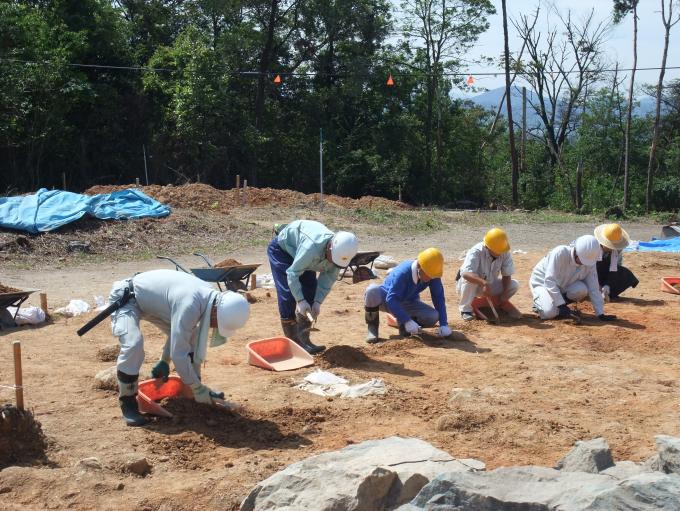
{"type": "Point", "coordinates": [203, 197]}
{"type": "Point", "coordinates": [8, 289]}
{"type": "Point", "coordinates": [21, 437]}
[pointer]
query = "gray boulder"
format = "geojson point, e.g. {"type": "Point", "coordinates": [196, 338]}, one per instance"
{"type": "Point", "coordinates": [545, 489]}
{"type": "Point", "coordinates": [626, 469]}
{"type": "Point", "coordinates": [668, 448]}
{"type": "Point", "coordinates": [590, 456]}
{"type": "Point", "coordinates": [371, 476]}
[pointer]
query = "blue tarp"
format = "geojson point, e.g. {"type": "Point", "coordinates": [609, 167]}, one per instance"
{"type": "Point", "coordinates": [667, 245]}
{"type": "Point", "coordinates": [50, 209]}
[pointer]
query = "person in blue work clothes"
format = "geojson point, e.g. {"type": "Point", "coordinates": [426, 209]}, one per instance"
{"type": "Point", "coordinates": [297, 253]}
{"type": "Point", "coordinates": [399, 294]}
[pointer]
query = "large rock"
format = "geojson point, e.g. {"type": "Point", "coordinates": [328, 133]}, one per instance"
{"type": "Point", "coordinates": [626, 469]}
{"type": "Point", "coordinates": [590, 456]}
{"type": "Point", "coordinates": [668, 448]}
{"type": "Point", "coordinates": [545, 489]}
{"type": "Point", "coordinates": [107, 379]}
{"type": "Point", "coordinates": [371, 476]}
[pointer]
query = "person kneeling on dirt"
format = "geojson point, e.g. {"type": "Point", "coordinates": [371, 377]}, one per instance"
{"type": "Point", "coordinates": [567, 274]}
{"type": "Point", "coordinates": [478, 276]}
{"type": "Point", "coordinates": [184, 307]}
{"type": "Point", "coordinates": [399, 294]}
{"type": "Point", "coordinates": [300, 250]}
{"type": "Point", "coordinates": [613, 277]}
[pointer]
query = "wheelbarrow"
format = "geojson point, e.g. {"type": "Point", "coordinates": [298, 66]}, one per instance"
{"type": "Point", "coordinates": [14, 299]}
{"type": "Point", "coordinates": [359, 266]}
{"type": "Point", "coordinates": [233, 277]}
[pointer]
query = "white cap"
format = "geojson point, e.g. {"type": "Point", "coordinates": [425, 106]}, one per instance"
{"type": "Point", "coordinates": [344, 246]}
{"type": "Point", "coordinates": [233, 311]}
{"type": "Point", "coordinates": [587, 249]}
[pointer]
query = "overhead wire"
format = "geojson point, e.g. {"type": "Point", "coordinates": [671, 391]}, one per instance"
{"type": "Point", "coordinates": [314, 74]}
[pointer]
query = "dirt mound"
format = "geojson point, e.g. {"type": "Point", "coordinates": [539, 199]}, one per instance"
{"type": "Point", "coordinates": [8, 289]}
{"type": "Point", "coordinates": [227, 263]}
{"type": "Point", "coordinates": [108, 353]}
{"type": "Point", "coordinates": [21, 437]}
{"type": "Point", "coordinates": [202, 197]}
{"type": "Point", "coordinates": [464, 420]}
{"type": "Point", "coordinates": [343, 356]}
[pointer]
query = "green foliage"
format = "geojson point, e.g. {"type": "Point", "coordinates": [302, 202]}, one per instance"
{"type": "Point", "coordinates": [208, 110]}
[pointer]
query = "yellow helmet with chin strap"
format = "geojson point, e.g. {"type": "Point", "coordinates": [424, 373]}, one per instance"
{"type": "Point", "coordinates": [497, 241]}
{"type": "Point", "coordinates": [431, 261]}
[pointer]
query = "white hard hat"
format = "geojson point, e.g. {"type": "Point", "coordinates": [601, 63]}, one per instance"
{"type": "Point", "coordinates": [588, 249]}
{"type": "Point", "coordinates": [232, 313]}
{"type": "Point", "coordinates": [344, 246]}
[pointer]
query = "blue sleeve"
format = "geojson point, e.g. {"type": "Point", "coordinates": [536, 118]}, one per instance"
{"type": "Point", "coordinates": [437, 294]}
{"type": "Point", "coordinates": [395, 295]}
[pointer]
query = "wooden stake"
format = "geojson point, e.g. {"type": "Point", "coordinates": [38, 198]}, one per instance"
{"type": "Point", "coordinates": [18, 379]}
{"type": "Point", "coordinates": [245, 192]}
{"type": "Point", "coordinates": [43, 303]}
{"type": "Point", "coordinates": [253, 281]}
{"type": "Point", "coordinates": [137, 182]}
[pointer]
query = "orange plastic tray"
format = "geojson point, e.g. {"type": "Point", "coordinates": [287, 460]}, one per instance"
{"type": "Point", "coordinates": [277, 354]}
{"type": "Point", "coordinates": [153, 390]}
{"type": "Point", "coordinates": [667, 285]}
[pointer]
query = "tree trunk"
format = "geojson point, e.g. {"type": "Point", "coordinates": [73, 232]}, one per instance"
{"type": "Point", "coordinates": [629, 116]}
{"type": "Point", "coordinates": [265, 59]}
{"type": "Point", "coordinates": [657, 117]}
{"type": "Point", "coordinates": [508, 103]}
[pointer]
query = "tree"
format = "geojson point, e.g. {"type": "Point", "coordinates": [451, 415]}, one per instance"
{"type": "Point", "coordinates": [562, 64]}
{"type": "Point", "coordinates": [438, 33]}
{"type": "Point", "coordinates": [668, 22]}
{"type": "Point", "coordinates": [621, 9]}
{"type": "Point", "coordinates": [508, 96]}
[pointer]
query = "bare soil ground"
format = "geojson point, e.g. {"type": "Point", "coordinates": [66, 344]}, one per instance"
{"type": "Point", "coordinates": [517, 393]}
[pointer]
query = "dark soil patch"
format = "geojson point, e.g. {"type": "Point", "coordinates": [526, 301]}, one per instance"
{"type": "Point", "coordinates": [108, 353]}
{"type": "Point", "coordinates": [343, 356]}
{"type": "Point", "coordinates": [8, 289]}
{"type": "Point", "coordinates": [21, 437]}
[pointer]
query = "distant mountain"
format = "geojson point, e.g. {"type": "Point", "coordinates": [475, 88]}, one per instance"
{"type": "Point", "coordinates": [491, 98]}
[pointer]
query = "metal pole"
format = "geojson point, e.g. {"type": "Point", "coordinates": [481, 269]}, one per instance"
{"type": "Point", "coordinates": [146, 172]}
{"type": "Point", "coordinates": [321, 165]}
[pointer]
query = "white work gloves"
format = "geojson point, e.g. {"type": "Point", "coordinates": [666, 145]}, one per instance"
{"type": "Point", "coordinates": [412, 327]}
{"type": "Point", "coordinates": [444, 331]}
{"type": "Point", "coordinates": [316, 310]}
{"type": "Point", "coordinates": [606, 291]}
{"type": "Point", "coordinates": [303, 308]}
{"type": "Point", "coordinates": [203, 394]}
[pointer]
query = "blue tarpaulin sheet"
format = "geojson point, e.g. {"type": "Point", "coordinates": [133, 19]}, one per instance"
{"type": "Point", "coordinates": [667, 245]}
{"type": "Point", "coordinates": [50, 209]}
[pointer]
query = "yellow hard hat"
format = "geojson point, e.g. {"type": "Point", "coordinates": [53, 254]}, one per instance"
{"type": "Point", "coordinates": [497, 241]}
{"type": "Point", "coordinates": [431, 261]}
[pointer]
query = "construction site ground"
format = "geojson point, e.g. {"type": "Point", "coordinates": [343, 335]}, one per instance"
{"type": "Point", "coordinates": [521, 392]}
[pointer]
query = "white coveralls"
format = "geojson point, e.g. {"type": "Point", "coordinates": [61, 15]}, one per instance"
{"type": "Point", "coordinates": [559, 274]}
{"type": "Point", "coordinates": [478, 260]}
{"type": "Point", "coordinates": [178, 303]}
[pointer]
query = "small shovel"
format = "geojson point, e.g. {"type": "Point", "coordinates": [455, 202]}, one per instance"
{"type": "Point", "coordinates": [497, 319]}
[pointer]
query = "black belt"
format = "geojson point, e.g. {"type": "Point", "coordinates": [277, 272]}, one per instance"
{"type": "Point", "coordinates": [128, 294]}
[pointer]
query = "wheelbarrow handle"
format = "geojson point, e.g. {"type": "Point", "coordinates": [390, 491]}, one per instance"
{"type": "Point", "coordinates": [177, 265]}
{"type": "Point", "coordinates": [205, 258]}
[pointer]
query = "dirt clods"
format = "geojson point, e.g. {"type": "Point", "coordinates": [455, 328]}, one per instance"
{"type": "Point", "coordinates": [108, 353]}
{"type": "Point", "coordinates": [21, 437]}
{"type": "Point", "coordinates": [343, 356]}
{"type": "Point", "coordinates": [8, 289]}
{"type": "Point", "coordinates": [227, 263]}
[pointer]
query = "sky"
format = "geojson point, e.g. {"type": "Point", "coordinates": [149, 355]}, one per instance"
{"type": "Point", "coordinates": [618, 46]}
